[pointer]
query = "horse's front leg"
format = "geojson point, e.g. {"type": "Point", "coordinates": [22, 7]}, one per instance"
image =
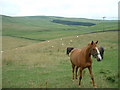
{"type": "Point", "coordinates": [81, 69]}
{"type": "Point", "coordinates": [90, 71]}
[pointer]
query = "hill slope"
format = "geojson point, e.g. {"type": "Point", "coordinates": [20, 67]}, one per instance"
{"type": "Point", "coordinates": [34, 52]}
{"type": "Point", "coordinates": [35, 65]}
{"type": "Point", "coordinates": [41, 28]}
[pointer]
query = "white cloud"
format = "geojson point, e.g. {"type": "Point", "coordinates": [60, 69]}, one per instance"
{"type": "Point", "coordinates": [67, 8]}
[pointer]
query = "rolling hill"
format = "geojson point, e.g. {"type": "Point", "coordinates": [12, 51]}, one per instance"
{"type": "Point", "coordinates": [42, 28]}
{"type": "Point", "coordinates": [34, 51]}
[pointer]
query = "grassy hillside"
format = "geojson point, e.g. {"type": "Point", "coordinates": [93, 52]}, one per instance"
{"type": "Point", "coordinates": [41, 28]}
{"type": "Point", "coordinates": [13, 42]}
{"type": "Point", "coordinates": [46, 64]}
{"type": "Point", "coordinates": [34, 52]}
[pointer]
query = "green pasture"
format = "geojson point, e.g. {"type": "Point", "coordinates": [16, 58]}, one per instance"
{"type": "Point", "coordinates": [34, 52]}
{"type": "Point", "coordinates": [41, 28]}
{"type": "Point", "coordinates": [44, 64]}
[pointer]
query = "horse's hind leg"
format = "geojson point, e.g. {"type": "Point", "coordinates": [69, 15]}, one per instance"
{"type": "Point", "coordinates": [76, 71]}
{"type": "Point", "coordinates": [73, 66]}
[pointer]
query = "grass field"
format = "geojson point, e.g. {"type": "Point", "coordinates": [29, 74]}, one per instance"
{"type": "Point", "coordinates": [34, 65]}
{"type": "Point", "coordinates": [34, 52]}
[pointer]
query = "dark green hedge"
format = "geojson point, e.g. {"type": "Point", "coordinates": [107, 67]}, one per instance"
{"type": "Point", "coordinates": [73, 22]}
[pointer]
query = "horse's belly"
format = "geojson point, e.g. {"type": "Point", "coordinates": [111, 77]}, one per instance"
{"type": "Point", "coordinates": [77, 61]}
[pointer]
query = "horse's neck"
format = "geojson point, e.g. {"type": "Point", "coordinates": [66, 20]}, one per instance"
{"type": "Point", "coordinates": [87, 53]}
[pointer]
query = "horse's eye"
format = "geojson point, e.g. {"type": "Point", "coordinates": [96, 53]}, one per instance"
{"type": "Point", "coordinates": [96, 54]}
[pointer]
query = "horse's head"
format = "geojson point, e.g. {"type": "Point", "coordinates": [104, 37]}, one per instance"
{"type": "Point", "coordinates": [101, 49]}
{"type": "Point", "coordinates": [94, 51]}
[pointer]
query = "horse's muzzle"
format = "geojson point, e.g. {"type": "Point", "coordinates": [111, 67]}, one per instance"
{"type": "Point", "coordinates": [98, 59]}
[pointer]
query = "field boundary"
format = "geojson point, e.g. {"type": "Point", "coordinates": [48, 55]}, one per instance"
{"type": "Point", "coordinates": [98, 32]}
{"type": "Point", "coordinates": [77, 34]}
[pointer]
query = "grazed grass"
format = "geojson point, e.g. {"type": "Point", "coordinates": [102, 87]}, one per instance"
{"type": "Point", "coordinates": [35, 65]}
{"type": "Point", "coordinates": [12, 43]}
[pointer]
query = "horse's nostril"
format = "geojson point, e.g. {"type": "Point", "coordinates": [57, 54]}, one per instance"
{"type": "Point", "coordinates": [102, 57]}
{"type": "Point", "coordinates": [98, 59]}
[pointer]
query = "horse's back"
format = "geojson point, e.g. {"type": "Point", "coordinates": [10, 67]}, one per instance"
{"type": "Point", "coordinates": [75, 51]}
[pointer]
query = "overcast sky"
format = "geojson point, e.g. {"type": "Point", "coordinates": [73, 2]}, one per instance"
{"type": "Point", "coordinates": [65, 8]}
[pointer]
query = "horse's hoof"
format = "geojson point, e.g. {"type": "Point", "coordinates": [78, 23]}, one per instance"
{"type": "Point", "coordinates": [73, 80]}
{"type": "Point", "coordinates": [79, 86]}
{"type": "Point", "coordinates": [95, 86]}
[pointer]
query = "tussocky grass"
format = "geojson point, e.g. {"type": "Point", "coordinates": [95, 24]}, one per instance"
{"type": "Point", "coordinates": [40, 65]}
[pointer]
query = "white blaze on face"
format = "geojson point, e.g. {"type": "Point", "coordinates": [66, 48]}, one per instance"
{"type": "Point", "coordinates": [99, 56]}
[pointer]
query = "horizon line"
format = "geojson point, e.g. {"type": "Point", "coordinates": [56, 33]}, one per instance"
{"type": "Point", "coordinates": [95, 18]}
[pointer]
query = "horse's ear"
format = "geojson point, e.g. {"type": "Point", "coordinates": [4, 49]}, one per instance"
{"type": "Point", "coordinates": [92, 43]}
{"type": "Point", "coordinates": [96, 42]}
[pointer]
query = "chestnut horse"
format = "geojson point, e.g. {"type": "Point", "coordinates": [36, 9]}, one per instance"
{"type": "Point", "coordinates": [82, 58]}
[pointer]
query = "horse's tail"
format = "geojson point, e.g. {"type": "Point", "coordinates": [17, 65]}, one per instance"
{"type": "Point", "coordinates": [69, 49]}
